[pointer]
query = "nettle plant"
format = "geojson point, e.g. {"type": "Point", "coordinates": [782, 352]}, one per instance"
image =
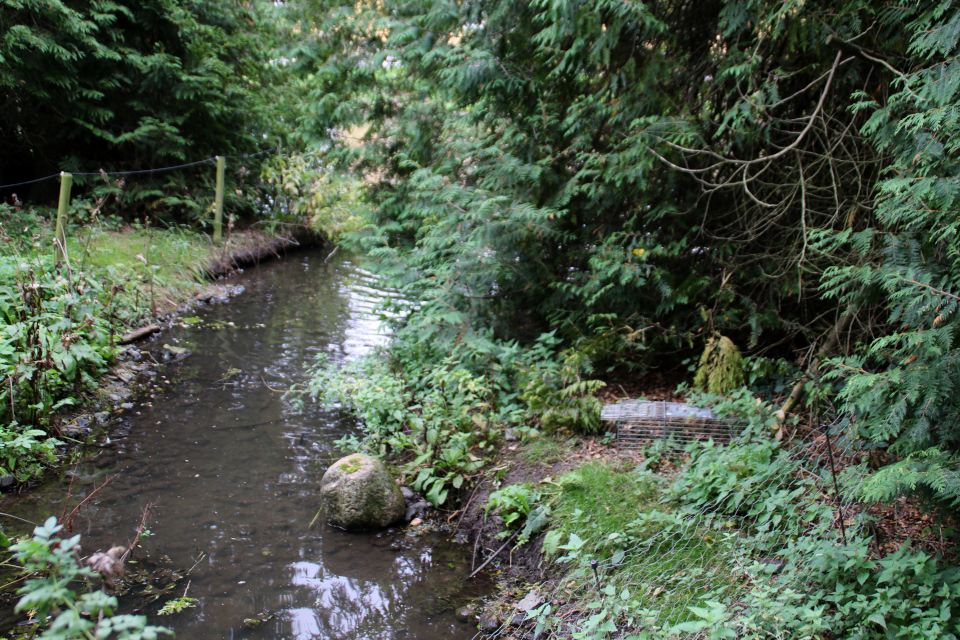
{"type": "Point", "coordinates": [56, 330]}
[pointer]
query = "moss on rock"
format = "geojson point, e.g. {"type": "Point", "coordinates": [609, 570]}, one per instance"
{"type": "Point", "coordinates": [357, 492]}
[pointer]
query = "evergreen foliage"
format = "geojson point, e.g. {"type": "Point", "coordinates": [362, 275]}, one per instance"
{"type": "Point", "coordinates": [608, 170]}
{"type": "Point", "coordinates": [901, 390]}
{"type": "Point", "coordinates": [636, 176]}
{"type": "Point", "coordinates": [720, 370]}
{"type": "Point", "coordinates": [88, 85]}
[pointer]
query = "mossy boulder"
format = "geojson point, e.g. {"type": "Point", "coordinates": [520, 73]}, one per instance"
{"type": "Point", "coordinates": [357, 492]}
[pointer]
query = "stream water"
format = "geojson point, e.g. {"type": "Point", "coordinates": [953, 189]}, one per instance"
{"type": "Point", "coordinates": [234, 472]}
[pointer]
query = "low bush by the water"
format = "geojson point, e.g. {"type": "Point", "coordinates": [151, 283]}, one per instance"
{"type": "Point", "coordinates": [50, 592]}
{"type": "Point", "coordinates": [443, 412]}
{"type": "Point", "coordinates": [56, 336]}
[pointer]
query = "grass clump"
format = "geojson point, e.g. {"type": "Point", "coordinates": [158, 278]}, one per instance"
{"type": "Point", "coordinates": [628, 555]}
{"type": "Point", "coordinates": [157, 268]}
{"type": "Point", "coordinates": [546, 449]}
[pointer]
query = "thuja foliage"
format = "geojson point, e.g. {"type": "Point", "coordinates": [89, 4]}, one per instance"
{"type": "Point", "coordinates": [901, 391]}
{"type": "Point", "coordinates": [721, 367]}
{"type": "Point", "coordinates": [635, 176]}
{"type": "Point", "coordinates": [607, 170]}
{"type": "Point", "coordinates": [90, 85]}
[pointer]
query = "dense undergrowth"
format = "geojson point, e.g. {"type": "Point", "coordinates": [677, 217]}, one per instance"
{"type": "Point", "coordinates": [741, 543]}
{"type": "Point", "coordinates": [443, 413]}
{"type": "Point", "coordinates": [718, 541]}
{"type": "Point", "coordinates": [714, 541]}
{"type": "Point", "coordinates": [61, 317]}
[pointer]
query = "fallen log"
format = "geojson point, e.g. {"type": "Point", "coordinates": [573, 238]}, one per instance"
{"type": "Point", "coordinates": [136, 334]}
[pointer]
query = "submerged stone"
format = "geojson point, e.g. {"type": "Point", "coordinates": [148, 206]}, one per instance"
{"type": "Point", "coordinates": [357, 492]}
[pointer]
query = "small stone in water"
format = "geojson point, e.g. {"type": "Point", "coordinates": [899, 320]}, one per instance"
{"type": "Point", "coordinates": [489, 622]}
{"type": "Point", "coordinates": [415, 522]}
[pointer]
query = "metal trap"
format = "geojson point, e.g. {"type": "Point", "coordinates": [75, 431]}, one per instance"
{"type": "Point", "coordinates": [640, 422]}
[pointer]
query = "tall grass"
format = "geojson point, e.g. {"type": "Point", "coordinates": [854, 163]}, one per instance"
{"type": "Point", "coordinates": [648, 557]}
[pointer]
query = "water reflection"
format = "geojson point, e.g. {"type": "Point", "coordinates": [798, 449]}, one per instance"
{"type": "Point", "coordinates": [234, 473]}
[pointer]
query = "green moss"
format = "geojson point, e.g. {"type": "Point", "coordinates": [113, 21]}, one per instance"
{"type": "Point", "coordinates": [351, 465]}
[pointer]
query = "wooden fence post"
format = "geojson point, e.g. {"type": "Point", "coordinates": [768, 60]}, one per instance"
{"type": "Point", "coordinates": [59, 235]}
{"type": "Point", "coordinates": [218, 206]}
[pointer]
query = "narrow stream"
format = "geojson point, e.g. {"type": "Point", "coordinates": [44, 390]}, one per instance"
{"type": "Point", "coordinates": [234, 474]}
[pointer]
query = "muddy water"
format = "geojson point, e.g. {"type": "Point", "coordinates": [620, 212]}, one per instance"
{"type": "Point", "coordinates": [233, 472]}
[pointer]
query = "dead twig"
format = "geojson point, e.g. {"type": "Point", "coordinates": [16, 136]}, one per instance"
{"type": "Point", "coordinates": [19, 518]}
{"type": "Point", "coordinates": [466, 509]}
{"type": "Point", "coordinates": [67, 521]}
{"type": "Point", "coordinates": [269, 387]}
{"type": "Point", "coordinates": [199, 560]}
{"type": "Point", "coordinates": [495, 554]}
{"type": "Point", "coordinates": [140, 529]}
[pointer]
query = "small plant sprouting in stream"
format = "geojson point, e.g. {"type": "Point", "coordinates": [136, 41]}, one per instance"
{"type": "Point", "coordinates": [54, 563]}
{"type": "Point", "coordinates": [178, 604]}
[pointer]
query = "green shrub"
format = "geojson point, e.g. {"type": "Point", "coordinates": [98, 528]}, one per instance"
{"type": "Point", "coordinates": [721, 367]}
{"type": "Point", "coordinates": [837, 590]}
{"type": "Point", "coordinates": [56, 331]}
{"type": "Point", "coordinates": [51, 589]}
{"type": "Point", "coordinates": [443, 410]}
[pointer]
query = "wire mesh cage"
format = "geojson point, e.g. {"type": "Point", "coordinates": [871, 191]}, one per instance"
{"type": "Point", "coordinates": [641, 422]}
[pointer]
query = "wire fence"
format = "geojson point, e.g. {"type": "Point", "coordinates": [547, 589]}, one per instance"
{"type": "Point", "coordinates": [141, 171]}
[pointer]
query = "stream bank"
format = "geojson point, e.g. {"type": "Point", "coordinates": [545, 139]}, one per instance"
{"type": "Point", "coordinates": [126, 284]}
{"type": "Point", "coordinates": [232, 469]}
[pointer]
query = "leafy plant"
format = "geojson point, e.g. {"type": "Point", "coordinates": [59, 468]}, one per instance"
{"type": "Point", "coordinates": [308, 189]}
{"type": "Point", "coordinates": [513, 503]}
{"type": "Point", "coordinates": [559, 396]}
{"type": "Point", "coordinates": [55, 566]}
{"type": "Point", "coordinates": [54, 341]}
{"type": "Point", "coordinates": [177, 605]}
{"type": "Point", "coordinates": [721, 367]}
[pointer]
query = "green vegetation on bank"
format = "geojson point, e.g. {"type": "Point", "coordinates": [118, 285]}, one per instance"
{"type": "Point", "coordinates": [738, 544]}
{"type": "Point", "coordinates": [561, 191]}
{"type": "Point", "coordinates": [645, 180]}
{"type": "Point", "coordinates": [445, 412]}
{"type": "Point", "coordinates": [61, 323]}
{"type": "Point", "coordinates": [769, 189]}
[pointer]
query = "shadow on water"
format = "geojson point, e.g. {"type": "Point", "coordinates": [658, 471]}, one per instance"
{"type": "Point", "coordinates": [234, 471]}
